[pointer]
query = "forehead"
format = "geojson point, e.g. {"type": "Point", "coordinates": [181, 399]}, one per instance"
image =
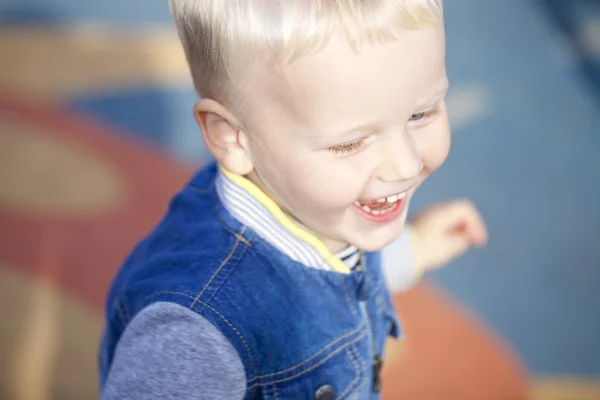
{"type": "Point", "coordinates": [380, 81]}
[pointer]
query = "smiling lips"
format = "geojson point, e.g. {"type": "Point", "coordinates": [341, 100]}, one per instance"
{"type": "Point", "coordinates": [383, 209]}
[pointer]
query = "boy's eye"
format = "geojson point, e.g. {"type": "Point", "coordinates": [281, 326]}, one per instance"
{"type": "Point", "coordinates": [418, 116]}
{"type": "Point", "coordinates": [424, 116]}
{"type": "Point", "coordinates": [347, 148]}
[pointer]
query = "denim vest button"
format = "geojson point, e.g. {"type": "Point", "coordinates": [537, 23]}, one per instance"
{"type": "Point", "coordinates": [325, 392]}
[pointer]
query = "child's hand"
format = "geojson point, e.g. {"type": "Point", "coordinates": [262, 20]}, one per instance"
{"type": "Point", "coordinates": [446, 231]}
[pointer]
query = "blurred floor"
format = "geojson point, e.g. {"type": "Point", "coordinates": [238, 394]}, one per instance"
{"type": "Point", "coordinates": [99, 94]}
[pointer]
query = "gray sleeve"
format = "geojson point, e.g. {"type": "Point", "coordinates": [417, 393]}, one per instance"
{"type": "Point", "coordinates": [171, 352]}
{"type": "Point", "coordinates": [398, 263]}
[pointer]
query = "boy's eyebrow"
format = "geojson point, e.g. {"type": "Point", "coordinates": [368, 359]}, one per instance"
{"type": "Point", "coordinates": [359, 130]}
{"type": "Point", "coordinates": [440, 93]}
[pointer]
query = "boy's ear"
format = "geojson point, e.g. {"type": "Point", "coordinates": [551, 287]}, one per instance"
{"type": "Point", "coordinates": [227, 143]}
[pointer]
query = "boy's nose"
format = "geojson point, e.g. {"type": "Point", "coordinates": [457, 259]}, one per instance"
{"type": "Point", "coordinates": [402, 161]}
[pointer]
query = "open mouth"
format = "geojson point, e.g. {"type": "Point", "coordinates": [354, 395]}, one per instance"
{"type": "Point", "coordinates": [382, 205]}
{"type": "Point", "coordinates": [383, 209]}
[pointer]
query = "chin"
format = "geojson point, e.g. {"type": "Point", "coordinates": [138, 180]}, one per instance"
{"type": "Point", "coordinates": [378, 239]}
{"type": "Point", "coordinates": [372, 244]}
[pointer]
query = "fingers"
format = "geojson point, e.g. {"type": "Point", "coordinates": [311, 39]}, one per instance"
{"type": "Point", "coordinates": [462, 217]}
{"type": "Point", "coordinates": [447, 231]}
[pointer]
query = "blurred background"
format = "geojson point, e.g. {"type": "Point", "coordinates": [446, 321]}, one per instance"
{"type": "Point", "coordinates": [96, 134]}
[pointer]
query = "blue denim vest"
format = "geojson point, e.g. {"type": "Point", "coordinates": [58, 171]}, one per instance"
{"type": "Point", "coordinates": [300, 332]}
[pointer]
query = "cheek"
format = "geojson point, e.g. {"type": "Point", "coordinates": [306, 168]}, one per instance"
{"type": "Point", "coordinates": [307, 184]}
{"type": "Point", "coordinates": [322, 191]}
{"type": "Point", "coordinates": [303, 187]}
{"type": "Point", "coordinates": [436, 147]}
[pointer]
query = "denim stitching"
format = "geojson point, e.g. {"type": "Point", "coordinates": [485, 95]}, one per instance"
{"type": "Point", "coordinates": [237, 332]}
{"type": "Point", "coordinates": [364, 363]}
{"type": "Point", "coordinates": [237, 235]}
{"type": "Point", "coordinates": [358, 388]}
{"type": "Point", "coordinates": [275, 392]}
{"type": "Point", "coordinates": [360, 327]}
{"type": "Point", "coordinates": [209, 191]}
{"type": "Point", "coordinates": [235, 245]}
{"type": "Point", "coordinates": [228, 229]}
{"type": "Point", "coordinates": [356, 368]}
{"type": "Point", "coordinates": [240, 238]}
{"type": "Point", "coordinates": [364, 333]}
{"type": "Point", "coordinates": [216, 312]}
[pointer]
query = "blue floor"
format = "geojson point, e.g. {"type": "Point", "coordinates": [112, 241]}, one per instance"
{"type": "Point", "coordinates": [529, 160]}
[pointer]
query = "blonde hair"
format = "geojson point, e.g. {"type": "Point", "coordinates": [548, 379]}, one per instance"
{"type": "Point", "coordinates": [223, 37]}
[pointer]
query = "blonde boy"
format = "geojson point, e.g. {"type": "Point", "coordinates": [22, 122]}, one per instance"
{"type": "Point", "coordinates": [265, 278]}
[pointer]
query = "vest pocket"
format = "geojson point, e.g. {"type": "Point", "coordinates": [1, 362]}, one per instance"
{"type": "Point", "coordinates": [341, 374]}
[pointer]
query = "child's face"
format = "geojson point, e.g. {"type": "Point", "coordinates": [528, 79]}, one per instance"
{"type": "Point", "coordinates": [341, 127]}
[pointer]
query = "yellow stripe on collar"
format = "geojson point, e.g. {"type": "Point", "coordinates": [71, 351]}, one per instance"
{"type": "Point", "coordinates": [302, 234]}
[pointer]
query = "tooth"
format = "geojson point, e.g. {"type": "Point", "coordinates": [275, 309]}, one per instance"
{"type": "Point", "coordinates": [357, 203]}
{"type": "Point", "coordinates": [375, 212]}
{"type": "Point", "coordinates": [382, 200]}
{"type": "Point", "coordinates": [366, 208]}
{"type": "Point", "coordinates": [401, 195]}
{"type": "Point", "coordinates": [392, 199]}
